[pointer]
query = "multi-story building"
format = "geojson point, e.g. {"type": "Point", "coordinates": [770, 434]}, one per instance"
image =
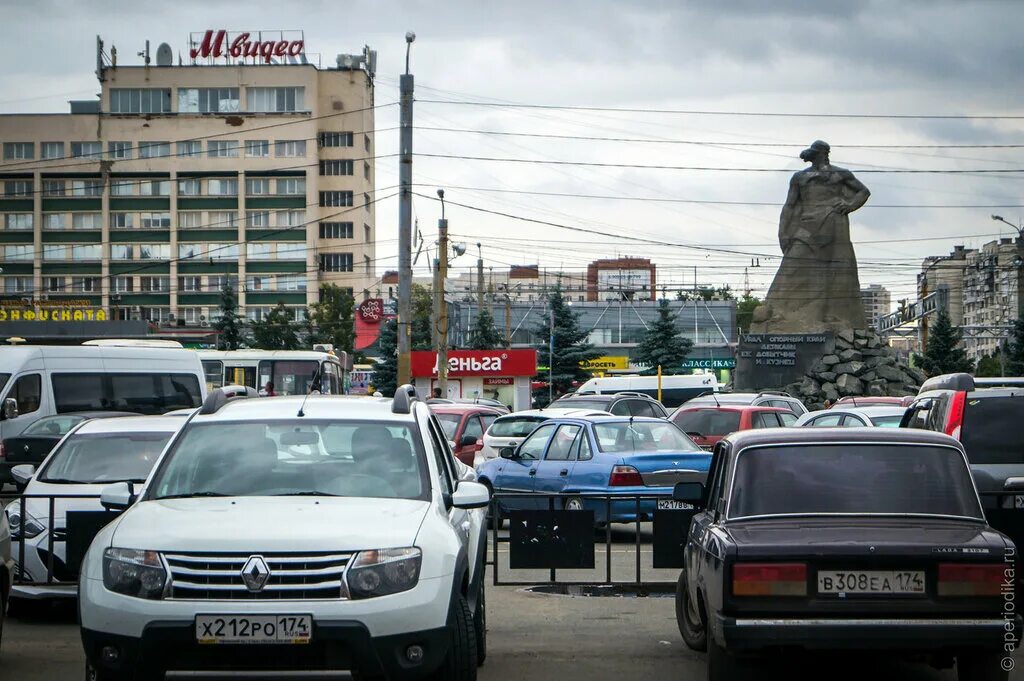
{"type": "Point", "coordinates": [877, 302]}
{"type": "Point", "coordinates": [946, 272]}
{"type": "Point", "coordinates": [991, 294]}
{"type": "Point", "coordinates": [181, 179]}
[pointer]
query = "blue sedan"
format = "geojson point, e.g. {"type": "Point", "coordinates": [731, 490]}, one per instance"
{"type": "Point", "coordinates": [607, 455]}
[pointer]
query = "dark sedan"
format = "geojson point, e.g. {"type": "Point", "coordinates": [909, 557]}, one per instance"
{"type": "Point", "coordinates": [870, 540]}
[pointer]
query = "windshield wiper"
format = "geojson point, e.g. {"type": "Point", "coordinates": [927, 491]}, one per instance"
{"type": "Point", "coordinates": [305, 494]}
{"type": "Point", "coordinates": [65, 481]}
{"type": "Point", "coordinates": [189, 495]}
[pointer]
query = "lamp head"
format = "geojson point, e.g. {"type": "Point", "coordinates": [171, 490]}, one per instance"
{"type": "Point", "coordinates": [410, 36]}
{"type": "Point", "coordinates": [440, 194]}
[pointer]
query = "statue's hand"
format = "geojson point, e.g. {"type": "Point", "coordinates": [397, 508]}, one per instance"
{"type": "Point", "coordinates": [841, 207]}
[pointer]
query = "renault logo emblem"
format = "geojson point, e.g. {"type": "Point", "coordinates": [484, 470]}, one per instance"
{"type": "Point", "coordinates": [255, 574]}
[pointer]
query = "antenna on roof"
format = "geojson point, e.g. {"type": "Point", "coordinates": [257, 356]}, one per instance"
{"type": "Point", "coordinates": [312, 387]}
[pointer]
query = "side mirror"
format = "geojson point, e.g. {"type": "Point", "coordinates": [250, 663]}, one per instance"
{"type": "Point", "coordinates": [22, 473]}
{"type": "Point", "coordinates": [471, 495]}
{"type": "Point", "coordinates": [507, 452]}
{"type": "Point", "coordinates": [690, 492]}
{"type": "Point", "coordinates": [452, 445]}
{"type": "Point", "coordinates": [118, 496]}
{"type": "Point", "coordinates": [1014, 485]}
{"type": "Point", "coordinates": [9, 409]}
{"type": "Point", "coordinates": [468, 440]}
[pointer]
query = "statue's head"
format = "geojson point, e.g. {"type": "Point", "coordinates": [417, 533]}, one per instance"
{"type": "Point", "coordinates": [818, 149]}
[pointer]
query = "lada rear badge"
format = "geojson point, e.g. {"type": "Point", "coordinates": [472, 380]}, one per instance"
{"type": "Point", "coordinates": [255, 574]}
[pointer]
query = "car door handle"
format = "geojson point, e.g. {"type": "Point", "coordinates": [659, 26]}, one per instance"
{"type": "Point", "coordinates": [533, 471]}
{"type": "Point", "coordinates": [564, 471]}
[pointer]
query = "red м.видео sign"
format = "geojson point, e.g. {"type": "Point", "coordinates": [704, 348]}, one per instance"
{"type": "Point", "coordinates": [498, 362]}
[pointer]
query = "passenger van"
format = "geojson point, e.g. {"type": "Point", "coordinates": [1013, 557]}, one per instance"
{"type": "Point", "coordinates": [43, 380]}
{"type": "Point", "coordinates": [273, 373]}
{"type": "Point", "coordinates": [674, 389]}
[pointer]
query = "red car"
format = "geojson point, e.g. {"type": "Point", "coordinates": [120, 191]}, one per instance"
{"type": "Point", "coordinates": [464, 425]}
{"type": "Point", "coordinates": [706, 425]}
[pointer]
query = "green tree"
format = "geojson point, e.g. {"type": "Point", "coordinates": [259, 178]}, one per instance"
{"type": "Point", "coordinates": [989, 366]}
{"type": "Point", "coordinates": [943, 355]}
{"type": "Point", "coordinates": [570, 347]}
{"type": "Point", "coordinates": [230, 325]}
{"type": "Point", "coordinates": [1014, 349]}
{"type": "Point", "coordinates": [332, 319]}
{"type": "Point", "coordinates": [422, 311]}
{"type": "Point", "coordinates": [745, 312]}
{"type": "Point", "coordinates": [484, 334]}
{"type": "Point", "coordinates": [385, 373]}
{"type": "Point", "coordinates": [662, 344]}
{"type": "Point", "coordinates": [278, 330]}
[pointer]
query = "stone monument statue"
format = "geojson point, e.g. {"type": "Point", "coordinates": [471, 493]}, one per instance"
{"type": "Point", "coordinates": [816, 288]}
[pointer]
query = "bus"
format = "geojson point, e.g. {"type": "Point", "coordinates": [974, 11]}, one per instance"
{"type": "Point", "coordinates": [674, 389]}
{"type": "Point", "coordinates": [278, 372]}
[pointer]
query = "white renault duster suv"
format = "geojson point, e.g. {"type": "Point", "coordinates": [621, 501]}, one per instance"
{"type": "Point", "coordinates": [285, 535]}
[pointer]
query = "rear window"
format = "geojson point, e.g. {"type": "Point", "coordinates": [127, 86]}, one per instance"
{"type": "Point", "coordinates": [887, 421]}
{"type": "Point", "coordinates": [598, 405]}
{"type": "Point", "coordinates": [515, 427]}
{"type": "Point", "coordinates": [858, 479]}
{"type": "Point", "coordinates": [708, 421]}
{"type": "Point", "coordinates": [449, 423]}
{"type": "Point", "coordinates": [991, 429]}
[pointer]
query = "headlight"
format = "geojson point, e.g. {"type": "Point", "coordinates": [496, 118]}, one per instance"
{"type": "Point", "coordinates": [383, 572]}
{"type": "Point", "coordinates": [31, 529]}
{"type": "Point", "coordinates": [134, 573]}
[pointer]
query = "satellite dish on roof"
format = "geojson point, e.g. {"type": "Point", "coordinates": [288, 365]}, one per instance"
{"type": "Point", "coordinates": [164, 55]}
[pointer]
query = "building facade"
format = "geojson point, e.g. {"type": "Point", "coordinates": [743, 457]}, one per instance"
{"type": "Point", "coordinates": [991, 294]}
{"type": "Point", "coordinates": [183, 179]}
{"type": "Point", "coordinates": [877, 301]}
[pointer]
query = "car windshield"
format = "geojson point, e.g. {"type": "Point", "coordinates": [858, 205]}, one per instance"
{"type": "Point", "coordinates": [517, 426]}
{"type": "Point", "coordinates": [853, 479]}
{"type": "Point", "coordinates": [449, 424]}
{"type": "Point", "coordinates": [3, 380]}
{"type": "Point", "coordinates": [990, 430]}
{"type": "Point", "coordinates": [708, 421]}
{"type": "Point", "coordinates": [636, 436]}
{"type": "Point", "coordinates": [580, 403]}
{"type": "Point", "coordinates": [105, 457]}
{"type": "Point", "coordinates": [307, 458]}
{"type": "Point", "coordinates": [887, 421]}
{"type": "Point", "coordinates": [56, 426]}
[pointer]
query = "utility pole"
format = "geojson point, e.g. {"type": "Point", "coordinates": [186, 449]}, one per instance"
{"type": "Point", "coordinates": [479, 278]}
{"type": "Point", "coordinates": [442, 306]}
{"type": "Point", "coordinates": [405, 89]}
{"type": "Point", "coordinates": [508, 319]}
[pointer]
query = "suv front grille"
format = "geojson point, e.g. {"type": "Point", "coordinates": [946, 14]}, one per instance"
{"type": "Point", "coordinates": [293, 576]}
{"type": "Point", "coordinates": [669, 478]}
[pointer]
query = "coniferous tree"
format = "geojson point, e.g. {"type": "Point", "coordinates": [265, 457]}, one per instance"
{"type": "Point", "coordinates": [484, 334]}
{"type": "Point", "coordinates": [230, 324]}
{"type": "Point", "coordinates": [332, 318]}
{"type": "Point", "coordinates": [1014, 350]}
{"type": "Point", "coordinates": [662, 344]}
{"type": "Point", "coordinates": [385, 373]}
{"type": "Point", "coordinates": [278, 330]}
{"type": "Point", "coordinates": [943, 355]}
{"type": "Point", "coordinates": [570, 348]}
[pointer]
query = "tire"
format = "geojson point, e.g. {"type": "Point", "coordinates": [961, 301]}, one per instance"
{"type": "Point", "coordinates": [724, 666]}
{"type": "Point", "coordinates": [93, 674]}
{"type": "Point", "coordinates": [480, 625]}
{"type": "Point", "coordinates": [981, 667]}
{"type": "Point", "coordinates": [460, 662]}
{"type": "Point", "coordinates": [688, 618]}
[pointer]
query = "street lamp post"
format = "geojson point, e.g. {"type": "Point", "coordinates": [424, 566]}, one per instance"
{"type": "Point", "coordinates": [442, 306]}
{"type": "Point", "coordinates": [405, 218]}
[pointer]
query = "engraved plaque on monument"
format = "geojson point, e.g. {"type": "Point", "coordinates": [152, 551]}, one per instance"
{"type": "Point", "coordinates": [771, 361]}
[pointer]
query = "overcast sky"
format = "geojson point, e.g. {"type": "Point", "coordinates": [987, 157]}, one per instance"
{"type": "Point", "coordinates": [786, 56]}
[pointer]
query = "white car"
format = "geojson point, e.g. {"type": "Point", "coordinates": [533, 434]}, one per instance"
{"type": "Point", "coordinates": [88, 459]}
{"type": "Point", "coordinates": [510, 430]}
{"type": "Point", "coordinates": [241, 559]}
{"type": "Point", "coordinates": [883, 416]}
{"type": "Point", "coordinates": [6, 570]}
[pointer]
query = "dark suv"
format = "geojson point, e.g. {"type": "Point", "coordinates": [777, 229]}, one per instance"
{"type": "Point", "coordinates": [619, 404]}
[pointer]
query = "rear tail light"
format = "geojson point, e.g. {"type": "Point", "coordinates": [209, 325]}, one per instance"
{"type": "Point", "coordinates": [956, 414]}
{"type": "Point", "coordinates": [625, 476]}
{"type": "Point", "coordinates": [3, 453]}
{"type": "Point", "coordinates": [769, 579]}
{"type": "Point", "coordinates": [965, 579]}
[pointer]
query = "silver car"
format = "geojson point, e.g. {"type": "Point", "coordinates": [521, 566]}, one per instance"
{"type": "Point", "coordinates": [6, 570]}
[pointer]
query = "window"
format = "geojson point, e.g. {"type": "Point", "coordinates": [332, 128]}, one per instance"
{"type": "Point", "coordinates": [122, 188]}
{"type": "Point", "coordinates": [208, 100]}
{"type": "Point", "coordinates": [335, 262]}
{"type": "Point", "coordinates": [155, 188]}
{"type": "Point", "coordinates": [27, 390]}
{"type": "Point", "coordinates": [291, 282]}
{"type": "Point", "coordinates": [223, 220]}
{"type": "Point", "coordinates": [259, 282]}
{"type": "Point", "coordinates": [186, 251]}
{"type": "Point", "coordinates": [827, 421]}
{"type": "Point", "coordinates": [85, 284]}
{"type": "Point", "coordinates": [257, 218]}
{"type": "Point", "coordinates": [156, 315]}
{"type": "Point", "coordinates": [122, 284]}
{"type": "Point", "coordinates": [18, 221]}
{"type": "Point", "coordinates": [154, 251]}
{"type": "Point", "coordinates": [366, 170]}
{"type": "Point", "coordinates": [119, 150]}
{"type": "Point", "coordinates": [989, 431]}
{"type": "Point", "coordinates": [18, 188]}
{"type": "Point", "coordinates": [222, 148]}
{"type": "Point", "coordinates": [86, 149]}
{"type": "Point", "coordinates": [53, 284]}
{"type": "Point", "coordinates": [52, 150]}
{"type": "Point", "coordinates": [191, 315]}
{"type": "Point", "coordinates": [54, 187]}
{"type": "Point", "coordinates": [766, 420]}
{"type": "Point", "coordinates": [534, 445]}
{"type": "Point", "coordinates": [54, 252]}
{"type": "Point", "coordinates": [190, 148]}
{"type": "Point", "coordinates": [121, 252]}
{"type": "Point", "coordinates": [190, 283]}
{"type": "Point", "coordinates": [707, 421]}
{"type": "Point", "coordinates": [86, 187]}
{"type": "Point", "coordinates": [366, 201]}
{"type": "Point", "coordinates": [19, 150]}
{"type": "Point", "coordinates": [53, 220]}
{"type": "Point", "coordinates": [155, 220]}
{"type": "Point", "coordinates": [190, 187]}
{"type": "Point", "coordinates": [366, 264]}
{"type": "Point", "coordinates": [154, 149]}
{"type": "Point", "coordinates": [154, 284]}
{"type": "Point", "coordinates": [271, 99]}
{"type": "Point", "coordinates": [336, 167]}
{"type": "Point", "coordinates": [218, 282]}
{"type": "Point", "coordinates": [257, 148]}
{"type": "Point", "coordinates": [290, 148]}
{"type": "Point", "coordinates": [256, 314]}
{"type": "Point", "coordinates": [291, 251]}
{"type": "Point", "coordinates": [86, 252]}
{"type": "Point", "coordinates": [335, 230]}
{"type": "Point", "coordinates": [335, 139]}
{"type": "Point", "coordinates": [257, 186]}
{"type": "Point", "coordinates": [140, 100]}
{"type": "Point", "coordinates": [562, 443]}
{"type": "Point", "coordinates": [334, 199]}
{"type": "Point", "coordinates": [192, 219]}
{"type": "Point", "coordinates": [21, 252]}
{"type": "Point", "coordinates": [222, 187]}
{"type": "Point", "coordinates": [292, 186]}
{"type": "Point", "coordinates": [366, 141]}
{"type": "Point", "coordinates": [291, 218]}
{"type": "Point", "coordinates": [17, 284]}
{"type": "Point", "coordinates": [257, 251]}
{"type": "Point", "coordinates": [122, 221]}
{"type": "Point", "coordinates": [222, 251]}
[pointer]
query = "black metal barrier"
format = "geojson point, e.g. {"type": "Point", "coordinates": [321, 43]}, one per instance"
{"type": "Point", "coordinates": [551, 537]}
{"type": "Point", "coordinates": [78, 530]}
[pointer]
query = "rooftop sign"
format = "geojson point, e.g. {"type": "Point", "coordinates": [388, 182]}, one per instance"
{"type": "Point", "coordinates": [259, 45]}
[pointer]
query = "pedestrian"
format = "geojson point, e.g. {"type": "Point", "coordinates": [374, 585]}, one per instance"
{"type": "Point", "coordinates": [828, 404]}
{"type": "Point", "coordinates": [269, 389]}
{"type": "Point", "coordinates": [437, 393]}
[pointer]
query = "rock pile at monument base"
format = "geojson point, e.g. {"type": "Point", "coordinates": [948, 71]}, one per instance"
{"type": "Point", "coordinates": [862, 365]}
